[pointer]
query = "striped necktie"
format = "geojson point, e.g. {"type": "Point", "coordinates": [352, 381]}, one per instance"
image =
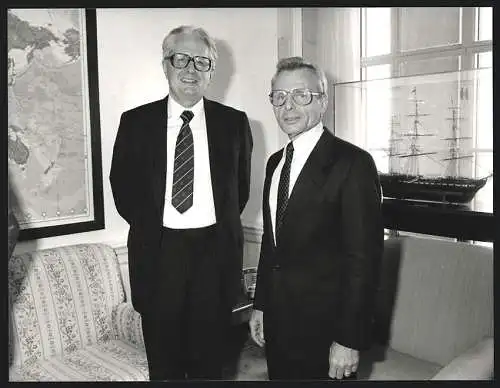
{"type": "Point", "coordinates": [182, 186]}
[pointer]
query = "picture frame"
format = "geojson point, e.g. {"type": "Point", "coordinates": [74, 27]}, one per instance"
{"type": "Point", "coordinates": [54, 149]}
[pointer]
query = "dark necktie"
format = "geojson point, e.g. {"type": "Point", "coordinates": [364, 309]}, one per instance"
{"type": "Point", "coordinates": [182, 186]}
{"type": "Point", "coordinates": [283, 188]}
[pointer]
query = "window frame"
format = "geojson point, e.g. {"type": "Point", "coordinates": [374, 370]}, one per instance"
{"type": "Point", "coordinates": [466, 50]}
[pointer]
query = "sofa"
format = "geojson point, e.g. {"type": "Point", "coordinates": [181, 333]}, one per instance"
{"type": "Point", "coordinates": [434, 315]}
{"type": "Point", "coordinates": [69, 320]}
{"type": "Point", "coordinates": [434, 312]}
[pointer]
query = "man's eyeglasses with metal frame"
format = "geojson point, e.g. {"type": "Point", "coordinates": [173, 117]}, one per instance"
{"type": "Point", "coordinates": [181, 61]}
{"type": "Point", "coordinates": [301, 97]}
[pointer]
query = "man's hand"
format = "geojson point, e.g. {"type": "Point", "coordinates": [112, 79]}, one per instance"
{"type": "Point", "coordinates": [343, 361]}
{"type": "Point", "coordinates": [257, 327]}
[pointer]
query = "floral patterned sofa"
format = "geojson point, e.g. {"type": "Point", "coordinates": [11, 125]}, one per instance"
{"type": "Point", "coordinates": [69, 320]}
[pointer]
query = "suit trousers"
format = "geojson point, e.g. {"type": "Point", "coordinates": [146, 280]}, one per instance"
{"type": "Point", "coordinates": [300, 357]}
{"type": "Point", "coordinates": [293, 357]}
{"type": "Point", "coordinates": [184, 328]}
{"type": "Point", "coordinates": [297, 344]}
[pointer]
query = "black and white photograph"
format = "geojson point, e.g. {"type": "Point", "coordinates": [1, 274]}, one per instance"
{"type": "Point", "coordinates": [283, 194]}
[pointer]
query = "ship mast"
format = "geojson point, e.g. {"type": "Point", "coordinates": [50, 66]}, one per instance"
{"type": "Point", "coordinates": [412, 166]}
{"type": "Point", "coordinates": [394, 150]}
{"type": "Point", "coordinates": [453, 168]}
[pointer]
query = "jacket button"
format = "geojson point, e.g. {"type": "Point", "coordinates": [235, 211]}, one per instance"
{"type": "Point", "coordinates": [276, 267]}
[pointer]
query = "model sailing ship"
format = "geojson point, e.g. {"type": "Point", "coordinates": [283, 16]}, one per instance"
{"type": "Point", "coordinates": [407, 183]}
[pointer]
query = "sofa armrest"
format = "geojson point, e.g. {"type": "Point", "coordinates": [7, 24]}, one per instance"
{"type": "Point", "coordinates": [475, 363]}
{"type": "Point", "coordinates": [127, 325]}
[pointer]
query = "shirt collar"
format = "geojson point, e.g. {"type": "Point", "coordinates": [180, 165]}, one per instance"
{"type": "Point", "coordinates": [175, 109]}
{"type": "Point", "coordinates": [303, 141]}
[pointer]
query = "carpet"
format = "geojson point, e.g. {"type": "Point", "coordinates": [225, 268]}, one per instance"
{"type": "Point", "coordinates": [252, 364]}
{"type": "Point", "coordinates": [246, 360]}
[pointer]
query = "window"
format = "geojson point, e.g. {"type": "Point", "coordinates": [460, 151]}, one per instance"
{"type": "Point", "coordinates": [484, 23]}
{"type": "Point", "coordinates": [411, 39]}
{"type": "Point", "coordinates": [376, 32]}
{"type": "Point", "coordinates": [426, 40]}
{"type": "Point", "coordinates": [428, 27]}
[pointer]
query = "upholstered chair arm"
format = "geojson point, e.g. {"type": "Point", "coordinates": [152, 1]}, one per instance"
{"type": "Point", "coordinates": [127, 325]}
{"type": "Point", "coordinates": [475, 363]}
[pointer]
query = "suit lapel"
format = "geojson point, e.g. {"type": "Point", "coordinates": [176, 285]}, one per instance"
{"type": "Point", "coordinates": [311, 179]}
{"type": "Point", "coordinates": [268, 225]}
{"type": "Point", "coordinates": [216, 153]}
{"type": "Point", "coordinates": [157, 121]}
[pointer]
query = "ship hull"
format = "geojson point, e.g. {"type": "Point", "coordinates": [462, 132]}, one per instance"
{"type": "Point", "coordinates": [441, 189]}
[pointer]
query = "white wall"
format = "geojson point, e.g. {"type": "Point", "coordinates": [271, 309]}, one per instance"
{"type": "Point", "coordinates": [329, 39]}
{"type": "Point", "coordinates": [130, 74]}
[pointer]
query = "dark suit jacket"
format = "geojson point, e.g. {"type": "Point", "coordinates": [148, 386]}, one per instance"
{"type": "Point", "coordinates": [138, 175]}
{"type": "Point", "coordinates": [322, 274]}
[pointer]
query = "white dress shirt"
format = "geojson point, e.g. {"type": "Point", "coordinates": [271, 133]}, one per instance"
{"type": "Point", "coordinates": [202, 212]}
{"type": "Point", "coordinates": [302, 148]}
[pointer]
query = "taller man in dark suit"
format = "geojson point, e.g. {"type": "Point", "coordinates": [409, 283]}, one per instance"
{"type": "Point", "coordinates": [180, 177]}
{"type": "Point", "coordinates": [322, 241]}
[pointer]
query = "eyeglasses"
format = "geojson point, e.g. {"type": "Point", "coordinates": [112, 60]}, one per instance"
{"type": "Point", "coordinates": [181, 61]}
{"type": "Point", "coordinates": [299, 96]}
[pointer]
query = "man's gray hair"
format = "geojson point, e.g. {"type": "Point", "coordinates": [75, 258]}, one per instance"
{"type": "Point", "coordinates": [168, 42]}
{"type": "Point", "coordinates": [297, 63]}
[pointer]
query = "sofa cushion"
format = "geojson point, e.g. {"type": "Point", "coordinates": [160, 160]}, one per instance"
{"type": "Point", "coordinates": [436, 297]}
{"type": "Point", "coordinates": [380, 363]}
{"type": "Point", "coordinates": [111, 361]}
{"type": "Point", "coordinates": [61, 300]}
{"type": "Point", "coordinates": [127, 324]}
{"type": "Point", "coordinates": [477, 363]}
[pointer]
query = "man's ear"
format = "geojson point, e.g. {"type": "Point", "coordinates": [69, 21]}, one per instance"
{"type": "Point", "coordinates": [324, 103]}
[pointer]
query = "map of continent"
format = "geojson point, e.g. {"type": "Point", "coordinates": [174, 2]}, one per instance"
{"type": "Point", "coordinates": [48, 135]}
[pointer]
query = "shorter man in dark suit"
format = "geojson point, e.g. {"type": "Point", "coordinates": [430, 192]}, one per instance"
{"type": "Point", "coordinates": [322, 241]}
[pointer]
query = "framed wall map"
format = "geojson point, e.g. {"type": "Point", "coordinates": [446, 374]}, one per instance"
{"type": "Point", "coordinates": [54, 146]}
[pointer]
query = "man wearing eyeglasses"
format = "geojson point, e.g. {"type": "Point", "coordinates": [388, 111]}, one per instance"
{"type": "Point", "coordinates": [180, 177]}
{"type": "Point", "coordinates": [322, 241]}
